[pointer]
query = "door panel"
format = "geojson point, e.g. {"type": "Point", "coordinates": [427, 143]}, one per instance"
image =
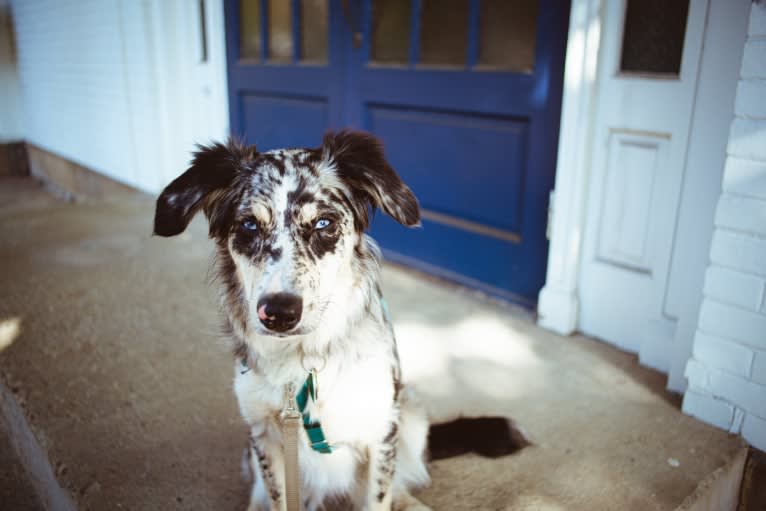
{"type": "Point", "coordinates": [640, 136]}
{"type": "Point", "coordinates": [286, 68]}
{"type": "Point", "coordinates": [475, 141]}
{"type": "Point", "coordinates": [633, 177]}
{"type": "Point", "coordinates": [501, 142]}
{"type": "Point", "coordinates": [464, 94]}
{"type": "Point", "coordinates": [260, 110]}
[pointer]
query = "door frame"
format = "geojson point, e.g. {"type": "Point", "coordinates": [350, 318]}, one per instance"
{"type": "Point", "coordinates": [558, 304]}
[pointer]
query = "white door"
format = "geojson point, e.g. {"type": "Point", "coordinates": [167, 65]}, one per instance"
{"type": "Point", "coordinates": [646, 82]}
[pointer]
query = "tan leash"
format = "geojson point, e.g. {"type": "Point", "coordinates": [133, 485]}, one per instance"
{"type": "Point", "coordinates": [292, 422]}
{"type": "Point", "coordinates": [294, 418]}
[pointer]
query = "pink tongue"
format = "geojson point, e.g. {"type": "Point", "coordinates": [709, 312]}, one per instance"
{"type": "Point", "coordinates": [262, 312]}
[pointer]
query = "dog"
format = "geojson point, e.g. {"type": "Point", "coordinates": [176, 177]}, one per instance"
{"type": "Point", "coordinates": [302, 305]}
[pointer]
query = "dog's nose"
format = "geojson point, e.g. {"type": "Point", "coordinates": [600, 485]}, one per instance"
{"type": "Point", "coordinates": [280, 312]}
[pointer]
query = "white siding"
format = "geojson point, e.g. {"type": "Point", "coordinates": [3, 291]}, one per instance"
{"type": "Point", "coordinates": [11, 127]}
{"type": "Point", "coordinates": [727, 374]}
{"type": "Point", "coordinates": [95, 91]}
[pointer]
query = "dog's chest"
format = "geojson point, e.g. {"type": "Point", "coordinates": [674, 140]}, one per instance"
{"type": "Point", "coordinates": [354, 405]}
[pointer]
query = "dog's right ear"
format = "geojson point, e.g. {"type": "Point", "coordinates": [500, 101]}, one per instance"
{"type": "Point", "coordinates": [212, 170]}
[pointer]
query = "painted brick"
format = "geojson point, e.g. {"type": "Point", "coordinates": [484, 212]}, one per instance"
{"type": "Point", "coordinates": [736, 422]}
{"type": "Point", "coordinates": [745, 177]}
{"type": "Point", "coordinates": [737, 391]}
{"type": "Point", "coordinates": [747, 138]}
{"type": "Point", "coordinates": [708, 409]}
{"type": "Point", "coordinates": [740, 251]}
{"type": "Point", "coordinates": [733, 323]}
{"type": "Point", "coordinates": [758, 373]}
{"type": "Point", "coordinates": [723, 354]}
{"type": "Point", "coordinates": [698, 375]}
{"type": "Point", "coordinates": [733, 287]}
{"type": "Point", "coordinates": [753, 63]}
{"type": "Point", "coordinates": [751, 99]}
{"type": "Point", "coordinates": [757, 26]}
{"type": "Point", "coordinates": [105, 95]}
{"type": "Point", "coordinates": [741, 214]}
{"type": "Point", "coordinates": [754, 431]}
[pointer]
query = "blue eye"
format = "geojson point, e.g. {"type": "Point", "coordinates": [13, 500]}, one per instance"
{"type": "Point", "coordinates": [322, 223]}
{"type": "Point", "coordinates": [249, 225]}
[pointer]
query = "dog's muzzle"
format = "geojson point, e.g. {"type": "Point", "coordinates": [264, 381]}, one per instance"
{"type": "Point", "coordinates": [280, 312]}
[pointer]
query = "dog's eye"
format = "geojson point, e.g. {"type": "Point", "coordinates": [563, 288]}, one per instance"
{"type": "Point", "coordinates": [249, 225]}
{"type": "Point", "coordinates": [322, 223]}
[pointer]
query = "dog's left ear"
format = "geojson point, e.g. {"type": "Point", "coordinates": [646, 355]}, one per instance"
{"type": "Point", "coordinates": [361, 164]}
{"type": "Point", "coordinates": [213, 170]}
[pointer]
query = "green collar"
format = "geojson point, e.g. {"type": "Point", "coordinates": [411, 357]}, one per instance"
{"type": "Point", "coordinates": [313, 429]}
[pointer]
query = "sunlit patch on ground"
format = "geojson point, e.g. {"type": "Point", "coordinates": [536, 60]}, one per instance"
{"type": "Point", "coordinates": [9, 330]}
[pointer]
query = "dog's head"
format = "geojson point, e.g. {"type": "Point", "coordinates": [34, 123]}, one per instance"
{"type": "Point", "coordinates": [288, 223]}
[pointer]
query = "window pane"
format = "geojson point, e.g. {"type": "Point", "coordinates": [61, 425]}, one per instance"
{"type": "Point", "coordinates": [653, 37]}
{"type": "Point", "coordinates": [444, 32]}
{"type": "Point", "coordinates": [508, 31]}
{"type": "Point", "coordinates": [249, 29]}
{"type": "Point", "coordinates": [314, 30]}
{"type": "Point", "coordinates": [391, 31]}
{"type": "Point", "coordinates": [280, 31]}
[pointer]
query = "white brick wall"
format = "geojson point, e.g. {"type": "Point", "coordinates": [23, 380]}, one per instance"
{"type": "Point", "coordinates": [745, 177]}
{"type": "Point", "coordinates": [727, 372]}
{"type": "Point", "coordinates": [748, 102]}
{"type": "Point", "coordinates": [720, 353]}
{"type": "Point", "coordinates": [11, 126]}
{"type": "Point", "coordinates": [110, 84]}
{"type": "Point", "coordinates": [742, 213]}
{"type": "Point", "coordinates": [734, 288]}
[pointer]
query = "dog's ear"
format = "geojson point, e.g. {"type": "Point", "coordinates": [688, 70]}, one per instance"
{"type": "Point", "coordinates": [362, 166]}
{"type": "Point", "coordinates": [213, 169]}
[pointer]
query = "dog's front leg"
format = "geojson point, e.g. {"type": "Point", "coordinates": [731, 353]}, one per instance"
{"type": "Point", "coordinates": [269, 469]}
{"type": "Point", "coordinates": [381, 471]}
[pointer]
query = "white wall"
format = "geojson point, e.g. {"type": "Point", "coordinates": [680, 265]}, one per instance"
{"type": "Point", "coordinates": [727, 374]}
{"type": "Point", "coordinates": [117, 86]}
{"type": "Point", "coordinates": [11, 127]}
{"type": "Point", "coordinates": [725, 34]}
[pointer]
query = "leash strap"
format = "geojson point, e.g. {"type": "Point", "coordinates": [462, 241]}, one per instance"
{"type": "Point", "coordinates": [294, 415]}
{"type": "Point", "coordinates": [291, 423]}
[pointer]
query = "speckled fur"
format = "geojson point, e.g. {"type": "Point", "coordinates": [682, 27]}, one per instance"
{"type": "Point", "coordinates": [375, 422]}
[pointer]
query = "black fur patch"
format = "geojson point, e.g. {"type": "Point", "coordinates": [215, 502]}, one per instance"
{"type": "Point", "coordinates": [269, 479]}
{"type": "Point", "coordinates": [214, 169]}
{"type": "Point", "coordinates": [362, 165]}
{"type": "Point", "coordinates": [324, 241]}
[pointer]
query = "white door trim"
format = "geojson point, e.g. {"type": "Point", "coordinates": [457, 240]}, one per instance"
{"type": "Point", "coordinates": [558, 305]}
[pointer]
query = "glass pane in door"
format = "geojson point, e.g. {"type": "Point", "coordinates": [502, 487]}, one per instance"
{"type": "Point", "coordinates": [280, 31]}
{"type": "Point", "coordinates": [314, 31]}
{"type": "Point", "coordinates": [653, 36]}
{"type": "Point", "coordinates": [444, 32]}
{"type": "Point", "coordinates": [508, 30]}
{"type": "Point", "coordinates": [249, 29]}
{"type": "Point", "coordinates": [391, 31]}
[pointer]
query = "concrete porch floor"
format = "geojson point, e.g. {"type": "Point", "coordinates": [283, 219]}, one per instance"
{"type": "Point", "coordinates": [119, 369]}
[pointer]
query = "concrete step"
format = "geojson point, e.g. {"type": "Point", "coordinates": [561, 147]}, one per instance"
{"type": "Point", "coordinates": [27, 481]}
{"type": "Point", "coordinates": [117, 359]}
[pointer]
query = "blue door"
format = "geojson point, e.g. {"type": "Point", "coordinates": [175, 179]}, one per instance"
{"type": "Point", "coordinates": [465, 94]}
